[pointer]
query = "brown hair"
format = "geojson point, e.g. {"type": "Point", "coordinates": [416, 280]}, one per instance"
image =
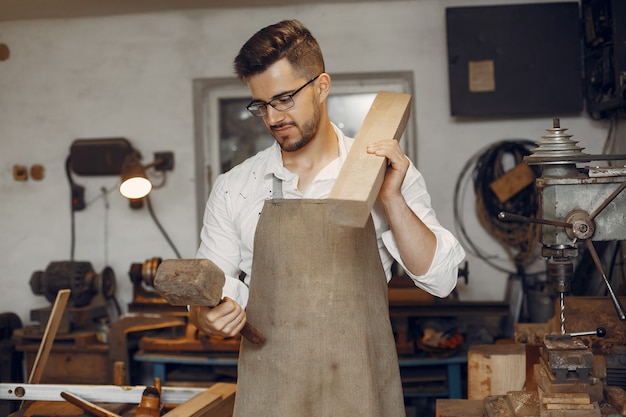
{"type": "Point", "coordinates": [287, 39]}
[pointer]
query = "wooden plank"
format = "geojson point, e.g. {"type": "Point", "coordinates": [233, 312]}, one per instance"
{"type": "Point", "coordinates": [354, 193]}
{"type": "Point", "coordinates": [48, 337]}
{"type": "Point", "coordinates": [524, 403]}
{"type": "Point", "coordinates": [570, 406]}
{"type": "Point", "coordinates": [616, 396]}
{"type": "Point", "coordinates": [459, 408]}
{"type": "Point", "coordinates": [223, 408]}
{"type": "Point", "coordinates": [495, 369]}
{"type": "Point", "coordinates": [39, 364]}
{"type": "Point", "coordinates": [514, 181]}
{"type": "Point", "coordinates": [216, 401]}
{"type": "Point", "coordinates": [544, 382]}
{"type": "Point", "coordinates": [566, 398]}
{"type": "Point", "coordinates": [65, 409]}
{"type": "Point", "coordinates": [66, 365]}
{"type": "Point", "coordinates": [88, 406]}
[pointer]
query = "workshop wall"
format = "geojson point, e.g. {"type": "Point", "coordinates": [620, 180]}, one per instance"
{"type": "Point", "coordinates": [131, 76]}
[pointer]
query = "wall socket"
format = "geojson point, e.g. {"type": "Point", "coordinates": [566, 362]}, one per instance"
{"type": "Point", "coordinates": [20, 173]}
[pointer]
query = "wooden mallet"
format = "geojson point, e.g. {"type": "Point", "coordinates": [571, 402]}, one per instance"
{"type": "Point", "coordinates": [197, 282]}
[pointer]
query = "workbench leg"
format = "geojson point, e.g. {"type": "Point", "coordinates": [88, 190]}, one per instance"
{"type": "Point", "coordinates": [454, 380]}
{"type": "Point", "coordinates": [158, 370]}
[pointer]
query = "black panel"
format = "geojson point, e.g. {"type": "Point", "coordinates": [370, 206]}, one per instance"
{"type": "Point", "coordinates": [605, 56]}
{"type": "Point", "coordinates": [99, 156]}
{"type": "Point", "coordinates": [515, 60]}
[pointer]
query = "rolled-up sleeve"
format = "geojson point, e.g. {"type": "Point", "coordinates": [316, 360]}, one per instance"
{"type": "Point", "coordinates": [442, 275]}
{"type": "Point", "coordinates": [218, 241]}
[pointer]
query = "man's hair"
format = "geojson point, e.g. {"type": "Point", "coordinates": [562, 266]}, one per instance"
{"type": "Point", "coordinates": [287, 39]}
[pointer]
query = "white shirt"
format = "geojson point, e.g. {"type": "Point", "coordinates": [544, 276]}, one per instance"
{"type": "Point", "coordinates": [236, 200]}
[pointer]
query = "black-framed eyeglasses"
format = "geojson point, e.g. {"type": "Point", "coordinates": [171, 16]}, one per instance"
{"type": "Point", "coordinates": [282, 103]}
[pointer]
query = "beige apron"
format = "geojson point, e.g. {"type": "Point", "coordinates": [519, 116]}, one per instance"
{"type": "Point", "coordinates": [319, 295]}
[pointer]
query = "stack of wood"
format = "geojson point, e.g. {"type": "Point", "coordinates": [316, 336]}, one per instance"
{"type": "Point", "coordinates": [583, 396]}
{"type": "Point", "coordinates": [559, 402]}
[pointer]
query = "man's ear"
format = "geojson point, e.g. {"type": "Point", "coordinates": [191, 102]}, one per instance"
{"type": "Point", "coordinates": [323, 86]}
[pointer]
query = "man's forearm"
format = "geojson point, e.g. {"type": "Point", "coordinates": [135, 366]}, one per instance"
{"type": "Point", "coordinates": [416, 242]}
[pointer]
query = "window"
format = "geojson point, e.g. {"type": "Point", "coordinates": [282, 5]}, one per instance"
{"type": "Point", "coordinates": [226, 134]}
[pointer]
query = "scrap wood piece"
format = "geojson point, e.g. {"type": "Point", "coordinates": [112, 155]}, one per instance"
{"type": "Point", "coordinates": [495, 369]}
{"type": "Point", "coordinates": [458, 408]}
{"type": "Point", "coordinates": [497, 406]}
{"type": "Point", "coordinates": [513, 181]}
{"type": "Point", "coordinates": [566, 398]}
{"type": "Point", "coordinates": [354, 193]}
{"type": "Point", "coordinates": [216, 401]}
{"type": "Point", "coordinates": [524, 403]}
{"type": "Point", "coordinates": [590, 406]}
{"type": "Point", "coordinates": [88, 406]}
{"type": "Point", "coordinates": [52, 326]}
{"type": "Point", "coordinates": [616, 397]}
{"type": "Point", "coordinates": [64, 409]}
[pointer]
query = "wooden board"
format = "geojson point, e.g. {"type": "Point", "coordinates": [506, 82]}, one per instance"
{"type": "Point", "coordinates": [354, 193]}
{"type": "Point", "coordinates": [216, 401]}
{"type": "Point", "coordinates": [495, 369]}
{"type": "Point", "coordinates": [459, 408]}
{"type": "Point", "coordinates": [68, 364]}
{"type": "Point", "coordinates": [514, 181]}
{"type": "Point", "coordinates": [65, 409]}
{"type": "Point", "coordinates": [48, 338]}
{"type": "Point", "coordinates": [616, 396]}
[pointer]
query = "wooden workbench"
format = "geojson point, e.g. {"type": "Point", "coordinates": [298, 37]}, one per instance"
{"type": "Point", "coordinates": [216, 401]}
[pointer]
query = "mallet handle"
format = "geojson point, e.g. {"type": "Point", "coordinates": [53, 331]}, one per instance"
{"type": "Point", "coordinates": [252, 334]}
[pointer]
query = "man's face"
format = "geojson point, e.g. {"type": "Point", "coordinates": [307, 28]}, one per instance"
{"type": "Point", "coordinates": [297, 126]}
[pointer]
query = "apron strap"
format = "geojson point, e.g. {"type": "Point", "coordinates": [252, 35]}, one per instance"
{"type": "Point", "coordinates": [277, 188]}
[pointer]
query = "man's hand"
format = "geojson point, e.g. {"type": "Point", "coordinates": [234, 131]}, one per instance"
{"type": "Point", "coordinates": [226, 319]}
{"type": "Point", "coordinates": [416, 242]}
{"type": "Point", "coordinates": [396, 170]}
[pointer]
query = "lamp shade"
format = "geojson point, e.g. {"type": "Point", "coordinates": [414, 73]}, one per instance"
{"type": "Point", "coordinates": [135, 183]}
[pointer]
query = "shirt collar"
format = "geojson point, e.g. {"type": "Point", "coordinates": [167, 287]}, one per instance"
{"type": "Point", "coordinates": [275, 165]}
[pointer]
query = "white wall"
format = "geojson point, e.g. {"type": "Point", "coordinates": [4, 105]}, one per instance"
{"type": "Point", "coordinates": [131, 76]}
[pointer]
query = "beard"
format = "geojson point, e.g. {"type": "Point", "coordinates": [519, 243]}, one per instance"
{"type": "Point", "coordinates": [308, 130]}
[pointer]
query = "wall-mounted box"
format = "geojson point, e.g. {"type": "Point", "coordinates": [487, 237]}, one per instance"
{"type": "Point", "coordinates": [515, 60]}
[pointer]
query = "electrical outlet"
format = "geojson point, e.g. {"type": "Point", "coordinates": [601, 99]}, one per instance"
{"type": "Point", "coordinates": [78, 197]}
{"type": "Point", "coordinates": [37, 172]}
{"type": "Point", "coordinates": [20, 173]}
{"type": "Point", "coordinates": [164, 161]}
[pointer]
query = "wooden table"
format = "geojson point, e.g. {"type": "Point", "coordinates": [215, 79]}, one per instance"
{"type": "Point", "coordinates": [452, 364]}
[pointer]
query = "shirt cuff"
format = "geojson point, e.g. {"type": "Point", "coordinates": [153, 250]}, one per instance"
{"type": "Point", "coordinates": [236, 290]}
{"type": "Point", "coordinates": [442, 275]}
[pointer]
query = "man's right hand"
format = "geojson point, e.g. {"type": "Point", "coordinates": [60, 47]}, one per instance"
{"type": "Point", "coordinates": [226, 319]}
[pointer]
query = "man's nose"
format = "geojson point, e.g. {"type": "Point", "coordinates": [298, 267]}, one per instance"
{"type": "Point", "coordinates": [273, 116]}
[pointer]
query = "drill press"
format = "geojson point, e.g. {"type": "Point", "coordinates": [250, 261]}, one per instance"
{"type": "Point", "coordinates": [576, 206]}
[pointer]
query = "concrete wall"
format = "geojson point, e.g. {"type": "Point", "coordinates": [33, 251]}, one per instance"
{"type": "Point", "coordinates": [132, 76]}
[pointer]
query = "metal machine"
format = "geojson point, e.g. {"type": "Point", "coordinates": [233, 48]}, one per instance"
{"type": "Point", "coordinates": [145, 297]}
{"type": "Point", "coordinates": [90, 293]}
{"type": "Point", "coordinates": [576, 206]}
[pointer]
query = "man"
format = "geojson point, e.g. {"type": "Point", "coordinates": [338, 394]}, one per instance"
{"type": "Point", "coordinates": [315, 289]}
